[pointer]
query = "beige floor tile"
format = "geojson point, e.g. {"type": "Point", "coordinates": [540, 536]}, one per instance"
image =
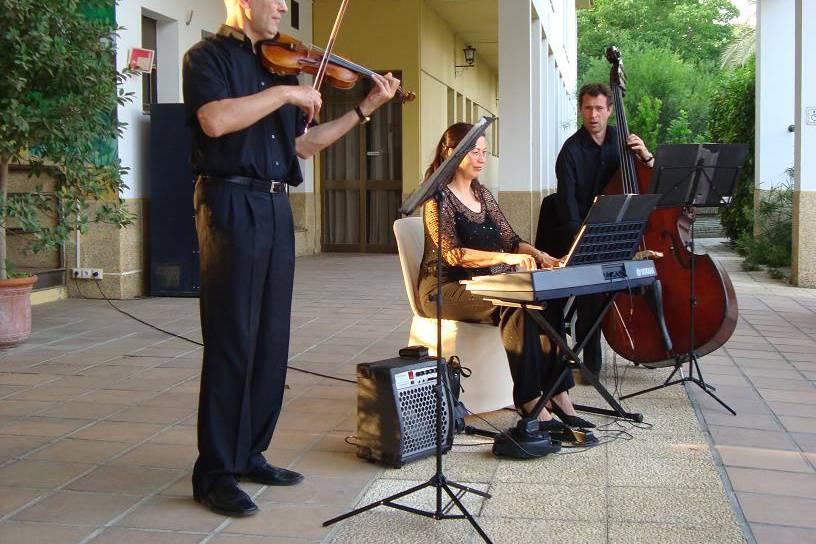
{"type": "Point", "coordinates": [50, 393]}
{"type": "Point", "coordinates": [317, 464]}
{"type": "Point", "coordinates": [12, 498]}
{"type": "Point", "coordinates": [774, 534]}
{"type": "Point", "coordinates": [40, 474]}
{"type": "Point", "coordinates": [44, 426]}
{"type": "Point", "coordinates": [13, 446]}
{"type": "Point", "coordinates": [34, 533]}
{"type": "Point", "coordinates": [773, 482]}
{"type": "Point", "coordinates": [79, 451]}
{"type": "Point", "coordinates": [14, 378]}
{"type": "Point", "coordinates": [805, 441]}
{"type": "Point", "coordinates": [752, 438]}
{"type": "Point", "coordinates": [179, 435]}
{"type": "Point", "coordinates": [131, 480]}
{"type": "Point", "coordinates": [248, 539]}
{"type": "Point", "coordinates": [153, 414]}
{"type": "Point", "coordinates": [796, 424]}
{"type": "Point", "coordinates": [174, 399]}
{"type": "Point", "coordinates": [770, 459]}
{"type": "Point", "coordinates": [335, 491]}
{"type": "Point", "coordinates": [116, 431]}
{"type": "Point", "coordinates": [77, 508]}
{"type": "Point", "coordinates": [285, 520]}
{"type": "Point", "coordinates": [22, 407]}
{"type": "Point", "coordinates": [118, 535]}
{"type": "Point", "coordinates": [159, 455]}
{"type": "Point", "coordinates": [172, 513]}
{"type": "Point", "coordinates": [767, 422]}
{"type": "Point", "coordinates": [799, 397]}
{"type": "Point", "coordinates": [778, 510]}
{"type": "Point", "coordinates": [83, 410]}
{"type": "Point", "coordinates": [112, 396]}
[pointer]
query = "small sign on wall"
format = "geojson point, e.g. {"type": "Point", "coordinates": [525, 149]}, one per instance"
{"type": "Point", "coordinates": [810, 116]}
{"type": "Point", "coordinates": [141, 60]}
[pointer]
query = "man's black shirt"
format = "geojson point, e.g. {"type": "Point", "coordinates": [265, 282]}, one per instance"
{"type": "Point", "coordinates": [583, 168]}
{"type": "Point", "coordinates": [225, 66]}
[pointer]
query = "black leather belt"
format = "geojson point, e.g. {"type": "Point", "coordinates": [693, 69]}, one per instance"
{"type": "Point", "coordinates": [253, 184]}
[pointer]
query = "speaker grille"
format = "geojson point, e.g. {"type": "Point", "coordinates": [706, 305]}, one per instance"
{"type": "Point", "coordinates": [418, 408]}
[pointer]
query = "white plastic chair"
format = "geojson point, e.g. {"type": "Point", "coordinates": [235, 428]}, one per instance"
{"type": "Point", "coordinates": [479, 346]}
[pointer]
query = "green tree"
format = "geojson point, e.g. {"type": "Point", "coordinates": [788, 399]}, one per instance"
{"type": "Point", "coordinates": [58, 97]}
{"type": "Point", "coordinates": [697, 30]}
{"type": "Point", "coordinates": [732, 121]}
{"type": "Point", "coordinates": [679, 131]}
{"type": "Point", "coordinates": [659, 80]}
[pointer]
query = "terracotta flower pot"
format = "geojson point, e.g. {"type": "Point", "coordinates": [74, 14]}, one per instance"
{"type": "Point", "coordinates": [15, 310]}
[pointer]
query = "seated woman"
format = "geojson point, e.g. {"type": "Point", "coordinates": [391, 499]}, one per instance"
{"type": "Point", "coordinates": [478, 240]}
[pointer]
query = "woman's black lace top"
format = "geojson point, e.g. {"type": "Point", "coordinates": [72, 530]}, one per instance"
{"type": "Point", "coordinates": [486, 230]}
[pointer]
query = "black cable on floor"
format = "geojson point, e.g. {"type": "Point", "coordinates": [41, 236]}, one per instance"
{"type": "Point", "coordinates": [190, 340]}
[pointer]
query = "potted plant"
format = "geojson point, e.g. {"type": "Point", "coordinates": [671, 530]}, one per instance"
{"type": "Point", "coordinates": [58, 97]}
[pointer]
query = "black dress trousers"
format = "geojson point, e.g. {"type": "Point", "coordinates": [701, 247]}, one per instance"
{"type": "Point", "coordinates": [247, 253]}
{"type": "Point", "coordinates": [534, 359]}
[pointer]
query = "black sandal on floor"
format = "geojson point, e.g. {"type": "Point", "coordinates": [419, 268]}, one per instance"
{"type": "Point", "coordinates": [570, 421]}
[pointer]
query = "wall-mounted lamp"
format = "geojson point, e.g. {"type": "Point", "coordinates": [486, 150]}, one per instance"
{"type": "Point", "coordinates": [470, 57]}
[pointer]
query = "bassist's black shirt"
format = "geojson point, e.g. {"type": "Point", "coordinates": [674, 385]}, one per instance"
{"type": "Point", "coordinates": [583, 169]}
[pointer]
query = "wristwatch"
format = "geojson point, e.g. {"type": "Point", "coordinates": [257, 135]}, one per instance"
{"type": "Point", "coordinates": [363, 117]}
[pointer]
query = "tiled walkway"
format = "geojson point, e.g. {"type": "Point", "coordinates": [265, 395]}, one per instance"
{"type": "Point", "coordinates": [767, 373]}
{"type": "Point", "coordinates": [97, 432]}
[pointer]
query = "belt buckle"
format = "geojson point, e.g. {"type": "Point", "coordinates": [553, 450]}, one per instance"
{"type": "Point", "coordinates": [272, 186]}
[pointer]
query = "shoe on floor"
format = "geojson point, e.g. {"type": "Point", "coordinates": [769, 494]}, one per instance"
{"type": "Point", "coordinates": [269, 475]}
{"type": "Point", "coordinates": [227, 499]}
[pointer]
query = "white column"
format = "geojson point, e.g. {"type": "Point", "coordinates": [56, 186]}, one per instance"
{"type": "Point", "coordinates": [774, 92]}
{"type": "Point", "coordinates": [547, 160]}
{"type": "Point", "coordinates": [515, 95]}
{"type": "Point", "coordinates": [804, 209]}
{"type": "Point", "coordinates": [535, 105]}
{"type": "Point", "coordinates": [516, 83]}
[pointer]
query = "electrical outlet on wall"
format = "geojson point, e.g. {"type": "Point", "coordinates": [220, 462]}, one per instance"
{"type": "Point", "coordinates": [87, 273]}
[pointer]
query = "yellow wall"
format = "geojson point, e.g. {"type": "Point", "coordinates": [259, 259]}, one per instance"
{"type": "Point", "coordinates": [440, 51]}
{"type": "Point", "coordinates": [408, 35]}
{"type": "Point", "coordinates": [380, 35]}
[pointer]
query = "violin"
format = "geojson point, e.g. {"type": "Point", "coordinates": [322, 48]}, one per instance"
{"type": "Point", "coordinates": [286, 55]}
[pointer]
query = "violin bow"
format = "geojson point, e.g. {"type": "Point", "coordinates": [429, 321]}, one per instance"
{"type": "Point", "coordinates": [321, 70]}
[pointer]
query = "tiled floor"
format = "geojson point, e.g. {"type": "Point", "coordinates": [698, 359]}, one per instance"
{"type": "Point", "coordinates": [97, 432]}
{"type": "Point", "coordinates": [767, 372]}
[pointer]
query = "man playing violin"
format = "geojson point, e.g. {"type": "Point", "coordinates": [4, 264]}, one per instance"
{"type": "Point", "coordinates": [587, 161]}
{"type": "Point", "coordinates": [248, 129]}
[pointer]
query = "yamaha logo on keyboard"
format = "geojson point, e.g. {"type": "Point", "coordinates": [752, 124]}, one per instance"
{"type": "Point", "coordinates": [650, 271]}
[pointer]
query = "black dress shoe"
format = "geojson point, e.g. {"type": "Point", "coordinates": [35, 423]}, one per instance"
{"type": "Point", "coordinates": [269, 475]}
{"type": "Point", "coordinates": [571, 421]}
{"type": "Point", "coordinates": [228, 499]}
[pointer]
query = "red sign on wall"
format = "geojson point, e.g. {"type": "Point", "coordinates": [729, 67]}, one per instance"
{"type": "Point", "coordinates": [141, 60]}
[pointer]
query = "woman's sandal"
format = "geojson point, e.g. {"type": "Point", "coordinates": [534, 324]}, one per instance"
{"type": "Point", "coordinates": [570, 421]}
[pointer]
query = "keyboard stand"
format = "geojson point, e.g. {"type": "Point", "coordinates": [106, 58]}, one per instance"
{"type": "Point", "coordinates": [572, 361]}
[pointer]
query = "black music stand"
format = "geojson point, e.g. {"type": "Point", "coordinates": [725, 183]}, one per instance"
{"type": "Point", "coordinates": [432, 188]}
{"type": "Point", "coordinates": [687, 176]}
{"type": "Point", "coordinates": [611, 233]}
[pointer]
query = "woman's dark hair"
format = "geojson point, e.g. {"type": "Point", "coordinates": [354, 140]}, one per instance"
{"type": "Point", "coordinates": [449, 140]}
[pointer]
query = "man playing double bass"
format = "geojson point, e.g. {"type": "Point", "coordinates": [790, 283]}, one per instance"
{"type": "Point", "coordinates": [587, 161]}
{"type": "Point", "coordinates": [247, 133]}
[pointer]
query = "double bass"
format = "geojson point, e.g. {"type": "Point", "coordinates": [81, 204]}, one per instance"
{"type": "Point", "coordinates": [633, 327]}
